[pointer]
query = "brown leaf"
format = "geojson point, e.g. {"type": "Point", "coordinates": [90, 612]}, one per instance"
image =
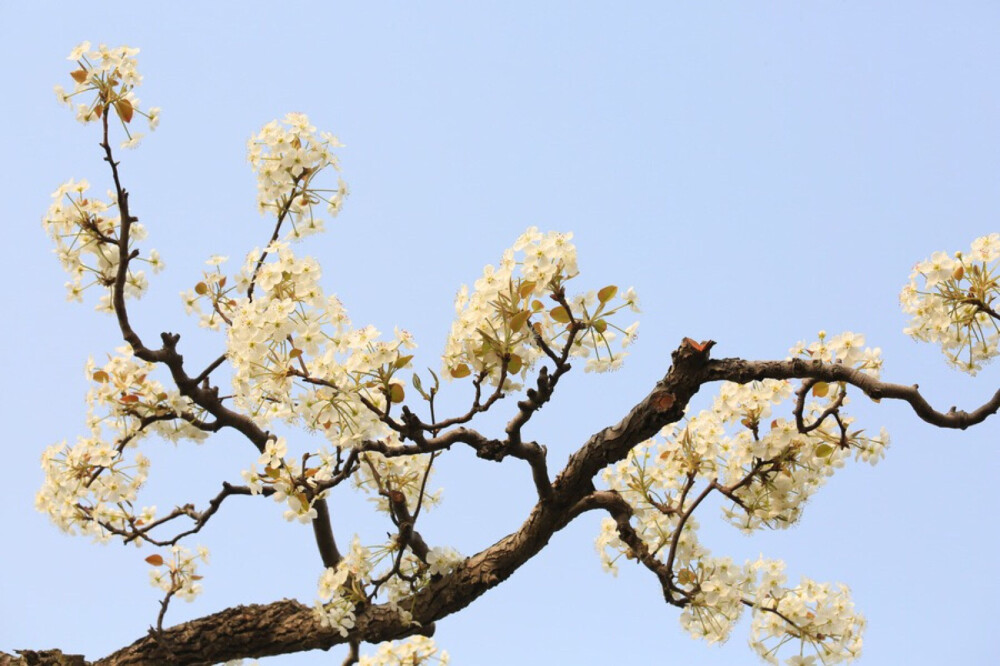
{"type": "Point", "coordinates": [124, 109]}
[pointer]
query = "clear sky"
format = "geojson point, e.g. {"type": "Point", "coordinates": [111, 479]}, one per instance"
{"type": "Point", "coordinates": [758, 171]}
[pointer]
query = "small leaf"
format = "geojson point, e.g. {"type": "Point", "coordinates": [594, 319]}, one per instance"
{"type": "Point", "coordinates": [403, 361]}
{"type": "Point", "coordinates": [396, 393]}
{"type": "Point", "coordinates": [155, 560]}
{"type": "Point", "coordinates": [460, 370]}
{"type": "Point", "coordinates": [823, 450]}
{"type": "Point", "coordinates": [201, 288]}
{"type": "Point", "coordinates": [820, 389]}
{"type": "Point", "coordinates": [295, 353]}
{"type": "Point", "coordinates": [697, 346]}
{"type": "Point", "coordinates": [606, 294]}
{"type": "Point", "coordinates": [272, 472]}
{"type": "Point", "coordinates": [101, 376]}
{"type": "Point", "coordinates": [559, 314]}
{"type": "Point", "coordinates": [517, 321]}
{"type": "Point", "coordinates": [79, 75]}
{"type": "Point", "coordinates": [526, 288]}
{"type": "Point", "coordinates": [514, 364]}
{"type": "Point", "coordinates": [130, 398]}
{"type": "Point", "coordinates": [222, 281]}
{"type": "Point", "coordinates": [417, 384]}
{"type": "Point", "coordinates": [537, 305]}
{"type": "Point", "coordinates": [124, 109]}
{"type": "Point", "coordinates": [196, 577]}
{"type": "Point", "coordinates": [600, 325]}
{"type": "Point", "coordinates": [959, 272]}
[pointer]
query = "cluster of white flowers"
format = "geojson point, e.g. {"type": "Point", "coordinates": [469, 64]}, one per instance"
{"type": "Point", "coordinates": [379, 475]}
{"type": "Point", "coordinates": [720, 588]}
{"type": "Point", "coordinates": [415, 651]}
{"type": "Point", "coordinates": [499, 325]}
{"type": "Point", "coordinates": [287, 158]}
{"type": "Point", "coordinates": [85, 231]}
{"type": "Point", "coordinates": [821, 616]}
{"type": "Point", "coordinates": [951, 302]}
{"type": "Point", "coordinates": [296, 357]}
{"type": "Point", "coordinates": [342, 588]}
{"type": "Point", "coordinates": [768, 469]}
{"type": "Point", "coordinates": [180, 573]}
{"type": "Point", "coordinates": [110, 73]}
{"type": "Point", "coordinates": [92, 486]}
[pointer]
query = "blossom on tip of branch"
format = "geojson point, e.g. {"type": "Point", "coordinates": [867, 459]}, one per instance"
{"type": "Point", "coordinates": [287, 158]}
{"type": "Point", "coordinates": [110, 73]}
{"type": "Point", "coordinates": [951, 302]}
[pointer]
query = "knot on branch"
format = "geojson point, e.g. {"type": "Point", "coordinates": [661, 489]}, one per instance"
{"type": "Point", "coordinates": [42, 658]}
{"type": "Point", "coordinates": [493, 449]}
{"type": "Point", "coordinates": [691, 353]}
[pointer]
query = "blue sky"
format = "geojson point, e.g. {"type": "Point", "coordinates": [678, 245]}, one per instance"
{"type": "Point", "coordinates": [758, 171]}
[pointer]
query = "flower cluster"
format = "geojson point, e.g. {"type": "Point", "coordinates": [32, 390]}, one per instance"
{"type": "Point", "coordinates": [296, 357]}
{"type": "Point", "coordinates": [414, 651]}
{"type": "Point", "coordinates": [819, 615]}
{"type": "Point", "coordinates": [111, 74]}
{"type": "Point", "coordinates": [503, 327]}
{"type": "Point", "coordinates": [86, 234]}
{"type": "Point", "coordinates": [287, 158]}
{"type": "Point", "coordinates": [951, 302]}
{"type": "Point", "coordinates": [767, 467]}
{"type": "Point", "coordinates": [92, 486]}
{"type": "Point", "coordinates": [213, 289]}
{"type": "Point", "coordinates": [341, 589]}
{"type": "Point", "coordinates": [354, 581]}
{"type": "Point", "coordinates": [406, 475]}
{"type": "Point", "coordinates": [180, 573]}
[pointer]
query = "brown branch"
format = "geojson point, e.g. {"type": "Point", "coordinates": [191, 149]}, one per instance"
{"type": "Point", "coordinates": [740, 371]}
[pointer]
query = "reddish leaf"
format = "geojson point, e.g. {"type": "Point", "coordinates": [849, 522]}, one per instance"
{"type": "Point", "coordinates": [155, 560]}
{"type": "Point", "coordinates": [124, 109]}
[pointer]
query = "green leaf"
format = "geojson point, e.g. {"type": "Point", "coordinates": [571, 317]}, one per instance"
{"type": "Point", "coordinates": [559, 314]}
{"type": "Point", "coordinates": [606, 294]}
{"type": "Point", "coordinates": [517, 321]}
{"type": "Point", "coordinates": [514, 364]}
{"type": "Point", "coordinates": [823, 450]}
